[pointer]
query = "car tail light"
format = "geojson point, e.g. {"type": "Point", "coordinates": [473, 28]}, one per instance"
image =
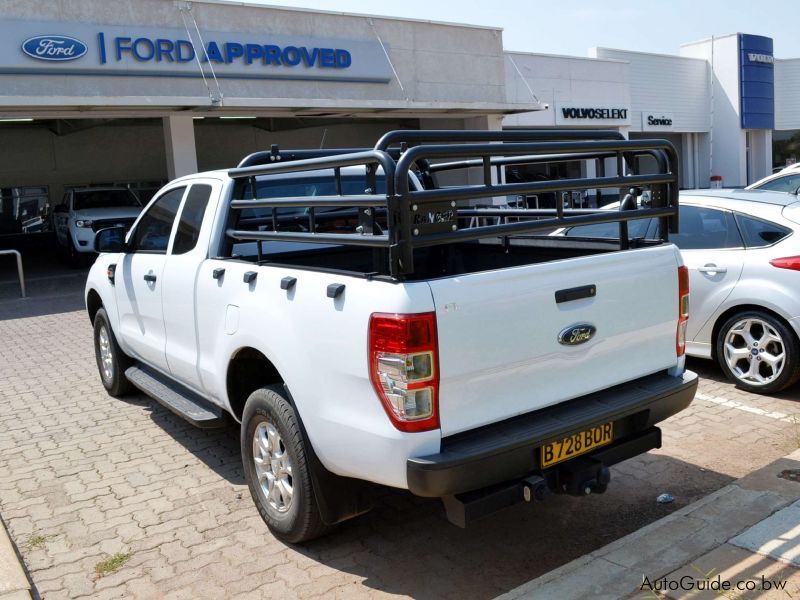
{"type": "Point", "coordinates": [683, 310]}
{"type": "Point", "coordinates": [404, 368]}
{"type": "Point", "coordinates": [790, 262]}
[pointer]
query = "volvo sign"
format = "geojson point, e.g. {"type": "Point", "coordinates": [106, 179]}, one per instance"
{"type": "Point", "coordinates": [592, 114]}
{"type": "Point", "coordinates": [54, 47]}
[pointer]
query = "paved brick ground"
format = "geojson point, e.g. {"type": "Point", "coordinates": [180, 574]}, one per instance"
{"type": "Point", "coordinates": [84, 476]}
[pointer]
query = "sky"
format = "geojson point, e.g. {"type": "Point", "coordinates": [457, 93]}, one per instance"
{"type": "Point", "coordinates": [571, 27]}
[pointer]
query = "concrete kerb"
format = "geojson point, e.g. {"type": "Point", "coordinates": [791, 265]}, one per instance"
{"type": "Point", "coordinates": [14, 583]}
{"type": "Point", "coordinates": [658, 549]}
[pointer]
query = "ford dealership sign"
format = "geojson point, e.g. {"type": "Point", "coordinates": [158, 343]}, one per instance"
{"type": "Point", "coordinates": [54, 47]}
{"type": "Point", "coordinates": [28, 47]}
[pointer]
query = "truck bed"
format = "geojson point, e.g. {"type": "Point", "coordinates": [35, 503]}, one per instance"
{"type": "Point", "coordinates": [438, 261]}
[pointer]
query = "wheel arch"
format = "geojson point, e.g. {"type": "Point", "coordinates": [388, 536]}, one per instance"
{"type": "Point", "coordinates": [741, 308]}
{"type": "Point", "coordinates": [93, 303]}
{"type": "Point", "coordinates": [339, 498]}
{"type": "Point", "coordinates": [248, 369]}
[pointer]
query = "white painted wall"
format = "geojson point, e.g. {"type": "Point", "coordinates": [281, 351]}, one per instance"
{"type": "Point", "coordinates": [659, 83]}
{"type": "Point", "coordinates": [558, 80]}
{"type": "Point", "coordinates": [787, 94]}
{"type": "Point", "coordinates": [728, 157]}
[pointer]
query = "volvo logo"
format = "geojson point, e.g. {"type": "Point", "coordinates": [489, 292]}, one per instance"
{"type": "Point", "coordinates": [576, 334]}
{"type": "Point", "coordinates": [54, 47]}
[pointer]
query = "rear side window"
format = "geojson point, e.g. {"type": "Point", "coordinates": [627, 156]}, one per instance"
{"type": "Point", "coordinates": [191, 218]}
{"type": "Point", "coordinates": [758, 233]}
{"type": "Point", "coordinates": [152, 231]}
{"type": "Point", "coordinates": [706, 228]}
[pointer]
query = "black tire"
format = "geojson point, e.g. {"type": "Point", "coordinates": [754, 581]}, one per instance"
{"type": "Point", "coordinates": [790, 371]}
{"type": "Point", "coordinates": [298, 520]}
{"type": "Point", "coordinates": [72, 257]}
{"type": "Point", "coordinates": [113, 379]}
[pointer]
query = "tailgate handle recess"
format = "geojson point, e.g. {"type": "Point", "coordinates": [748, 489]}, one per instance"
{"type": "Point", "coordinates": [576, 293]}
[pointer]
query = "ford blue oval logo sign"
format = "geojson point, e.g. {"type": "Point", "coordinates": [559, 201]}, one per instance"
{"type": "Point", "coordinates": [577, 334]}
{"type": "Point", "coordinates": [54, 47]}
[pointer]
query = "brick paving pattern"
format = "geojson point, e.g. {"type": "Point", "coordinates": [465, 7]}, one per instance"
{"type": "Point", "coordinates": [84, 476]}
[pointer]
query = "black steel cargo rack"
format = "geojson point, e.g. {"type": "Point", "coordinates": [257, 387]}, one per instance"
{"type": "Point", "coordinates": [436, 215]}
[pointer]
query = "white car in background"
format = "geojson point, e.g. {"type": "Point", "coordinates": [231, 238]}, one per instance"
{"type": "Point", "coordinates": [785, 180]}
{"type": "Point", "coordinates": [85, 211]}
{"type": "Point", "coordinates": [742, 248]}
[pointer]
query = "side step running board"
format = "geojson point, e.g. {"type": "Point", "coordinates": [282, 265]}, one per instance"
{"type": "Point", "coordinates": [184, 403]}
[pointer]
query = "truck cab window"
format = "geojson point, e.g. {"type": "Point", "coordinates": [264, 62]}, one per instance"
{"type": "Point", "coordinates": [152, 231]}
{"type": "Point", "coordinates": [191, 218]}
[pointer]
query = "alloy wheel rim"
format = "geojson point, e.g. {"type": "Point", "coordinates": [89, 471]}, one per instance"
{"type": "Point", "coordinates": [273, 467]}
{"type": "Point", "coordinates": [106, 357]}
{"type": "Point", "coordinates": [754, 351]}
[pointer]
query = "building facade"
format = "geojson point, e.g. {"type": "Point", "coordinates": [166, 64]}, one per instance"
{"type": "Point", "coordinates": [135, 92]}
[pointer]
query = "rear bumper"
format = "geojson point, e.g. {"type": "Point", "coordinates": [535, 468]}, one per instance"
{"type": "Point", "coordinates": [507, 450]}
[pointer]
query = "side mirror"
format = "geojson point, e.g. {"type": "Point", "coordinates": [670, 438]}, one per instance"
{"type": "Point", "coordinates": [110, 240]}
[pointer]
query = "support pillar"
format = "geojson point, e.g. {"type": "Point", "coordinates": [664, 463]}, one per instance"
{"type": "Point", "coordinates": [179, 144]}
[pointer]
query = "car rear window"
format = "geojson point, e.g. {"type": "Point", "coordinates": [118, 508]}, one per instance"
{"type": "Point", "coordinates": [758, 233]}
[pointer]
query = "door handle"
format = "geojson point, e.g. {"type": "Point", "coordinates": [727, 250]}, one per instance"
{"type": "Point", "coordinates": [150, 278]}
{"type": "Point", "coordinates": [712, 268]}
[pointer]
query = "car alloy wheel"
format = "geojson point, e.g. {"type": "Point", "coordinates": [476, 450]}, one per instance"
{"type": "Point", "coordinates": [106, 355]}
{"type": "Point", "coordinates": [754, 351]}
{"type": "Point", "coordinates": [273, 466]}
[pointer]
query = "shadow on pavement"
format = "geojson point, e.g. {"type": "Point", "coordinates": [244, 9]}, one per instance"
{"type": "Point", "coordinates": [406, 546]}
{"type": "Point", "coordinates": [505, 550]}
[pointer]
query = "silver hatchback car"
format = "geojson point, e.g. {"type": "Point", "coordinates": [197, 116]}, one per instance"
{"type": "Point", "coordinates": [742, 248]}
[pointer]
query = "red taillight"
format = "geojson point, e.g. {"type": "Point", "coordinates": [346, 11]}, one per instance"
{"type": "Point", "coordinates": [683, 310]}
{"type": "Point", "coordinates": [404, 368]}
{"type": "Point", "coordinates": [790, 262]}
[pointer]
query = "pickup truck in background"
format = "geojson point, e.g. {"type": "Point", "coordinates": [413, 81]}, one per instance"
{"type": "Point", "coordinates": [86, 210]}
{"type": "Point", "coordinates": [368, 327]}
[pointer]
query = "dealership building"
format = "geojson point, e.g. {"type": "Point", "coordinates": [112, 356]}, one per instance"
{"type": "Point", "coordinates": [135, 92]}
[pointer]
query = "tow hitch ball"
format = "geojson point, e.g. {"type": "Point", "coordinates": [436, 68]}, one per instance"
{"type": "Point", "coordinates": [581, 479]}
{"type": "Point", "coordinates": [598, 483]}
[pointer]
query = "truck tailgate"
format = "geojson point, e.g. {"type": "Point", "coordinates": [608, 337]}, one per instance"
{"type": "Point", "coordinates": [499, 349]}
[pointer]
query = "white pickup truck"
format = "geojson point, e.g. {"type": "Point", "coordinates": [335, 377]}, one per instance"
{"type": "Point", "coordinates": [368, 327]}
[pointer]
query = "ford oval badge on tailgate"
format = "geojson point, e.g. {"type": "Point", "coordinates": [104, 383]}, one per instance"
{"type": "Point", "coordinates": [577, 334]}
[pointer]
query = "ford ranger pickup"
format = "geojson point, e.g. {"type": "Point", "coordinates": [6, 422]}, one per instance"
{"type": "Point", "coordinates": [368, 325]}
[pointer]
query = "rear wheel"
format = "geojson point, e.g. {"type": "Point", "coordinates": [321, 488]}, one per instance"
{"type": "Point", "coordinates": [758, 352]}
{"type": "Point", "coordinates": [111, 360]}
{"type": "Point", "coordinates": [276, 468]}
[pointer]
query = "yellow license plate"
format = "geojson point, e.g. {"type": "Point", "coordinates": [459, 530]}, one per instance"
{"type": "Point", "coordinates": [576, 444]}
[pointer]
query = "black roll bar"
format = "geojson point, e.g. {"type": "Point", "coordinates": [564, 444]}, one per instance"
{"type": "Point", "coordinates": [413, 137]}
{"type": "Point", "coordinates": [418, 218]}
